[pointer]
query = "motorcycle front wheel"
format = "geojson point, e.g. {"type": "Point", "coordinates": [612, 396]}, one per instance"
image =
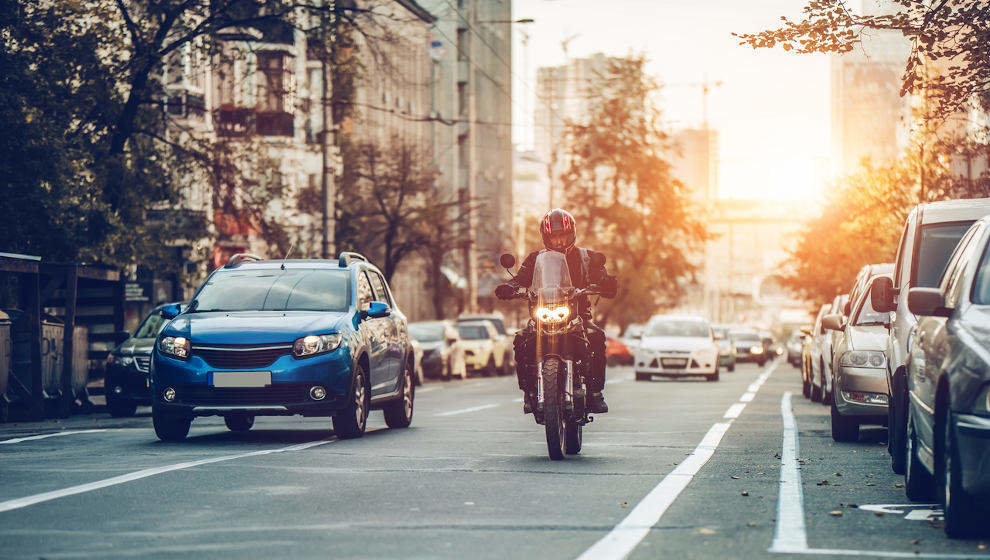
{"type": "Point", "coordinates": [553, 408]}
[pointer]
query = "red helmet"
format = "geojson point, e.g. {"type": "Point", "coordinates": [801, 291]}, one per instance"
{"type": "Point", "coordinates": [558, 230]}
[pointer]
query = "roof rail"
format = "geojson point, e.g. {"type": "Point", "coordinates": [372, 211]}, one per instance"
{"type": "Point", "coordinates": [240, 258]}
{"type": "Point", "coordinates": [347, 256]}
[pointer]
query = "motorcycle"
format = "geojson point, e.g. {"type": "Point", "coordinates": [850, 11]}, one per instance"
{"type": "Point", "coordinates": [562, 352]}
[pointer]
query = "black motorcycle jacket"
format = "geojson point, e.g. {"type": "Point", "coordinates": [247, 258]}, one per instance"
{"type": "Point", "coordinates": [583, 274]}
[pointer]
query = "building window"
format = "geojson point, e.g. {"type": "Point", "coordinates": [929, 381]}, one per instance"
{"type": "Point", "coordinates": [462, 44]}
{"type": "Point", "coordinates": [273, 81]}
{"type": "Point", "coordinates": [462, 99]}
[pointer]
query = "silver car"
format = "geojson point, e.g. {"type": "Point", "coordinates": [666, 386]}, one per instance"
{"type": "Point", "coordinates": [860, 366]}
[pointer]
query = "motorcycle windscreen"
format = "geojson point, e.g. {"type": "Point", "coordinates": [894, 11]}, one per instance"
{"type": "Point", "coordinates": [551, 279]}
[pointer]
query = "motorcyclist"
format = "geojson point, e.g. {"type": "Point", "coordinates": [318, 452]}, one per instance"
{"type": "Point", "coordinates": [558, 231]}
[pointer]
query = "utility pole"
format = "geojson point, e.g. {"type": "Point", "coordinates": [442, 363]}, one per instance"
{"type": "Point", "coordinates": [472, 85]}
{"type": "Point", "coordinates": [327, 183]}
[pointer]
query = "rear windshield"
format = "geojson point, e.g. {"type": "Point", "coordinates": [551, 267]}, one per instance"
{"type": "Point", "coordinates": [472, 332]}
{"type": "Point", "coordinates": [294, 289]}
{"type": "Point", "coordinates": [938, 241]}
{"type": "Point", "coordinates": [669, 327]}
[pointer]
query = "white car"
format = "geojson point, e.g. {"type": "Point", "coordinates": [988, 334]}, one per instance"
{"type": "Point", "coordinates": [480, 348]}
{"type": "Point", "coordinates": [677, 346]}
{"type": "Point", "coordinates": [504, 363]}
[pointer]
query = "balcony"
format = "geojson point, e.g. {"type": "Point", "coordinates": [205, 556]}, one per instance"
{"type": "Point", "coordinates": [243, 122]}
{"type": "Point", "coordinates": [276, 123]}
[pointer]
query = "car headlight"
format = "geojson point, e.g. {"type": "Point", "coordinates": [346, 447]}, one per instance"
{"type": "Point", "coordinates": [982, 403]}
{"type": "Point", "coordinates": [755, 349]}
{"type": "Point", "coordinates": [552, 314]}
{"type": "Point", "coordinates": [125, 361]}
{"type": "Point", "coordinates": [315, 344]}
{"type": "Point", "coordinates": [174, 346]}
{"type": "Point", "coordinates": [863, 359]}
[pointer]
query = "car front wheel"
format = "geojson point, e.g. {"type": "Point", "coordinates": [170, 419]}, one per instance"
{"type": "Point", "coordinates": [169, 427]}
{"type": "Point", "coordinates": [351, 422]}
{"type": "Point", "coordinates": [239, 422]}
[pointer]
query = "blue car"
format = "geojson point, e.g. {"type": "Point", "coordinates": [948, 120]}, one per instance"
{"type": "Point", "coordinates": [279, 338]}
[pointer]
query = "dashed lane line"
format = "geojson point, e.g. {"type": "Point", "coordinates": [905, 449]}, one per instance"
{"type": "Point", "coordinates": [45, 436]}
{"type": "Point", "coordinates": [790, 533]}
{"type": "Point", "coordinates": [625, 536]}
{"type": "Point", "coordinates": [466, 410]}
{"type": "Point", "coordinates": [26, 501]}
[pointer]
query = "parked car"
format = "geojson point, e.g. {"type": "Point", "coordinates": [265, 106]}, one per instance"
{"type": "Point", "coordinates": [677, 346]}
{"type": "Point", "coordinates": [860, 382]}
{"type": "Point", "coordinates": [480, 347]}
{"type": "Point", "coordinates": [631, 336]}
{"type": "Point", "coordinates": [503, 342]}
{"type": "Point", "coordinates": [726, 350]}
{"type": "Point", "coordinates": [813, 366]}
{"type": "Point", "coordinates": [126, 382]}
{"type": "Point", "coordinates": [828, 349]}
{"type": "Point", "coordinates": [617, 353]}
{"type": "Point", "coordinates": [417, 350]}
{"type": "Point", "coordinates": [443, 353]}
{"type": "Point", "coordinates": [793, 345]}
{"type": "Point", "coordinates": [806, 343]}
{"type": "Point", "coordinates": [276, 338]}
{"type": "Point", "coordinates": [948, 383]}
{"type": "Point", "coordinates": [749, 347]}
{"type": "Point", "coordinates": [930, 234]}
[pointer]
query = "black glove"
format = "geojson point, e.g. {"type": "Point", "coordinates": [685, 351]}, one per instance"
{"type": "Point", "coordinates": [504, 291]}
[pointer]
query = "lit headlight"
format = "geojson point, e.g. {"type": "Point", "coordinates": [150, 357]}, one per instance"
{"type": "Point", "coordinates": [552, 314]}
{"type": "Point", "coordinates": [755, 349]}
{"type": "Point", "coordinates": [174, 346]}
{"type": "Point", "coordinates": [315, 344]}
{"type": "Point", "coordinates": [863, 359]}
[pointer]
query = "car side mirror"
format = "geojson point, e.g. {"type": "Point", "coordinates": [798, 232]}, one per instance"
{"type": "Point", "coordinates": [833, 322]}
{"type": "Point", "coordinates": [377, 310]}
{"type": "Point", "coordinates": [170, 311]}
{"type": "Point", "coordinates": [928, 302]}
{"type": "Point", "coordinates": [121, 336]}
{"type": "Point", "coordinates": [882, 295]}
{"type": "Point", "coordinates": [507, 261]}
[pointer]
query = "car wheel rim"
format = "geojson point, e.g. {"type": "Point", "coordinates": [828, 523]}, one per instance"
{"type": "Point", "coordinates": [359, 400]}
{"type": "Point", "coordinates": [407, 395]}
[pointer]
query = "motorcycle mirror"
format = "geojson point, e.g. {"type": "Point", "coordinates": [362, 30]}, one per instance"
{"type": "Point", "coordinates": [507, 261]}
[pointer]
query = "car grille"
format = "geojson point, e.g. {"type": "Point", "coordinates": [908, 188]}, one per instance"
{"type": "Point", "coordinates": [279, 393]}
{"type": "Point", "coordinates": [142, 363]}
{"type": "Point", "coordinates": [676, 363]}
{"type": "Point", "coordinates": [241, 357]}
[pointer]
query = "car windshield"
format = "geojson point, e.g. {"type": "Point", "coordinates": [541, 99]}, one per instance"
{"type": "Point", "coordinates": [426, 332]}
{"type": "Point", "coordinates": [294, 289]}
{"type": "Point", "coordinates": [151, 325]}
{"type": "Point", "coordinates": [472, 332]}
{"type": "Point", "coordinates": [937, 244]}
{"type": "Point", "coordinates": [675, 327]}
{"type": "Point", "coordinates": [868, 315]}
{"type": "Point", "coordinates": [721, 332]}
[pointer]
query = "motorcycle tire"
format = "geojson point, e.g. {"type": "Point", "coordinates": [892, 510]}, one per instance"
{"type": "Point", "coordinates": [553, 409]}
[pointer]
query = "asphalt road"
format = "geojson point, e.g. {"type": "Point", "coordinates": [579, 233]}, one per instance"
{"type": "Point", "coordinates": [678, 469]}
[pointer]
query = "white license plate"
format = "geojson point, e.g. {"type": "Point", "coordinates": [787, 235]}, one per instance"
{"type": "Point", "coordinates": [242, 378]}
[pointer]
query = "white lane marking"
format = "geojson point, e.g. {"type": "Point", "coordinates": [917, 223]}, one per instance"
{"type": "Point", "coordinates": [734, 411]}
{"type": "Point", "coordinates": [613, 381]}
{"type": "Point", "coordinates": [519, 400]}
{"type": "Point", "coordinates": [466, 410]}
{"type": "Point", "coordinates": [631, 530]}
{"type": "Point", "coordinates": [426, 390]}
{"type": "Point", "coordinates": [624, 537]}
{"type": "Point", "coordinates": [144, 473]}
{"type": "Point", "coordinates": [44, 436]}
{"type": "Point", "coordinates": [754, 387]}
{"type": "Point", "coordinates": [747, 397]}
{"type": "Point", "coordinates": [789, 534]}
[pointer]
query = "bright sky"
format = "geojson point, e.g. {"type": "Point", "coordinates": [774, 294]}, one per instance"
{"type": "Point", "coordinates": [772, 111]}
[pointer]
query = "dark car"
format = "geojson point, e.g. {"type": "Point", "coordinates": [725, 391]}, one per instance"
{"type": "Point", "coordinates": [278, 338]}
{"type": "Point", "coordinates": [948, 384]}
{"type": "Point", "coordinates": [749, 346]}
{"type": "Point", "coordinates": [127, 383]}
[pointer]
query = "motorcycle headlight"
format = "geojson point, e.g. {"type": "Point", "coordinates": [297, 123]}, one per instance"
{"type": "Point", "coordinates": [863, 359]}
{"type": "Point", "coordinates": [174, 346]}
{"type": "Point", "coordinates": [552, 314]}
{"type": "Point", "coordinates": [315, 344]}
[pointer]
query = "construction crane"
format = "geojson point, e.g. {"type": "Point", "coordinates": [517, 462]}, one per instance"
{"type": "Point", "coordinates": [567, 41]}
{"type": "Point", "coordinates": [706, 87]}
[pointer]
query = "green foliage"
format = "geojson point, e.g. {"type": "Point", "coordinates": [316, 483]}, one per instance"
{"type": "Point", "coordinates": [618, 185]}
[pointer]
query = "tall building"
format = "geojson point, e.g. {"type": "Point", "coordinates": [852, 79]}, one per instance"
{"type": "Point", "coordinates": [869, 118]}
{"type": "Point", "coordinates": [472, 132]}
{"type": "Point", "coordinates": [695, 161]}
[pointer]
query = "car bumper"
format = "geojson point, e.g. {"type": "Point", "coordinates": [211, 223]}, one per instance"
{"type": "Point", "coordinates": [127, 384]}
{"type": "Point", "coordinates": [656, 366]}
{"type": "Point", "coordinates": [749, 357]}
{"type": "Point", "coordinates": [973, 443]}
{"type": "Point", "coordinates": [475, 362]}
{"type": "Point", "coordinates": [288, 393]}
{"type": "Point", "coordinates": [861, 392]}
